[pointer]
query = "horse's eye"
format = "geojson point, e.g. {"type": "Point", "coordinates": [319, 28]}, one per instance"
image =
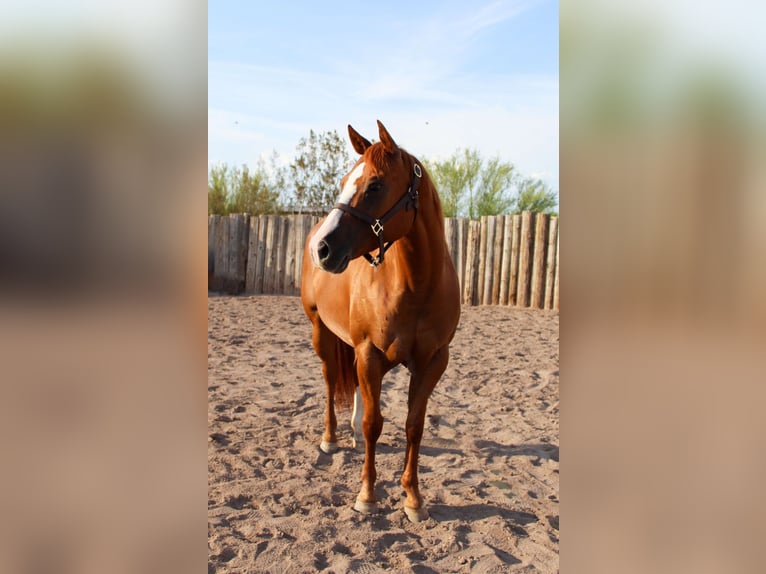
{"type": "Point", "coordinates": [374, 187]}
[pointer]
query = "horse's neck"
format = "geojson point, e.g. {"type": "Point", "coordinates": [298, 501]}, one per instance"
{"type": "Point", "coordinates": [420, 253]}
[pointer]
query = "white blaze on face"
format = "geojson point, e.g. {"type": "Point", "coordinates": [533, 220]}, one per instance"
{"type": "Point", "coordinates": [333, 219]}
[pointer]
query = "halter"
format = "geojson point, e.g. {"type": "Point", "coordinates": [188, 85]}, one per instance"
{"type": "Point", "coordinates": [407, 201]}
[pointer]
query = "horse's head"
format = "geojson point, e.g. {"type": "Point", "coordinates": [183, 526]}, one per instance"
{"type": "Point", "coordinates": [377, 205]}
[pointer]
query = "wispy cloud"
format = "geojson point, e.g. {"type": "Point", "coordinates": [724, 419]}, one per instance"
{"type": "Point", "coordinates": [492, 14]}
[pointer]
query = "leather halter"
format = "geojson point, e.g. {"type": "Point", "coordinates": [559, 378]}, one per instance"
{"type": "Point", "coordinates": [407, 201]}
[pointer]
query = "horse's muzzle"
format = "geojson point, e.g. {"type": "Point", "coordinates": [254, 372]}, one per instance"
{"type": "Point", "coordinates": [329, 259]}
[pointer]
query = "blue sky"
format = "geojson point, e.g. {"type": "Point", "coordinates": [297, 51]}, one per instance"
{"type": "Point", "coordinates": [439, 74]}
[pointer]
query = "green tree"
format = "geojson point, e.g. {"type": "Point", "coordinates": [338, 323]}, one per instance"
{"type": "Point", "coordinates": [252, 192]}
{"type": "Point", "coordinates": [535, 195]}
{"type": "Point", "coordinates": [470, 185]}
{"type": "Point", "coordinates": [217, 189]}
{"type": "Point", "coordinates": [453, 178]}
{"type": "Point", "coordinates": [493, 195]}
{"type": "Point", "coordinates": [321, 161]}
{"type": "Point", "coordinates": [242, 190]}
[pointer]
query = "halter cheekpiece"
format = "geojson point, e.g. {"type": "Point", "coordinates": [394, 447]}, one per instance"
{"type": "Point", "coordinates": [408, 201]}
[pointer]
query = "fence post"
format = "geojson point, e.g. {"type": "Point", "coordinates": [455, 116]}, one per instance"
{"type": "Point", "coordinates": [449, 237]}
{"type": "Point", "coordinates": [498, 259]}
{"type": "Point", "coordinates": [505, 269]}
{"type": "Point", "coordinates": [252, 254]}
{"type": "Point", "coordinates": [513, 286]}
{"type": "Point", "coordinates": [270, 263]}
{"type": "Point", "coordinates": [550, 262]}
{"type": "Point", "coordinates": [281, 267]}
{"type": "Point", "coordinates": [482, 257]}
{"type": "Point", "coordinates": [302, 225]}
{"type": "Point", "coordinates": [488, 230]}
{"type": "Point", "coordinates": [538, 260]}
{"type": "Point", "coordinates": [470, 296]}
{"type": "Point", "coordinates": [525, 255]}
{"type": "Point", "coordinates": [462, 238]}
{"type": "Point", "coordinates": [556, 274]}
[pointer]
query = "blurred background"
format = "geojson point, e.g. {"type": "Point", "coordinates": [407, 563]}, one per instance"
{"type": "Point", "coordinates": [102, 309]}
{"type": "Point", "coordinates": [663, 134]}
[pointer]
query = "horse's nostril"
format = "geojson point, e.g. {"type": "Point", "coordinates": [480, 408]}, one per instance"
{"type": "Point", "coordinates": [323, 250]}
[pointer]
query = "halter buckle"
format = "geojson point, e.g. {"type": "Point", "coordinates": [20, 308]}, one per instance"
{"type": "Point", "coordinates": [377, 228]}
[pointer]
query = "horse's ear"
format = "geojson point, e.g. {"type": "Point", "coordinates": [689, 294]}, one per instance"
{"type": "Point", "coordinates": [360, 143]}
{"type": "Point", "coordinates": [385, 138]}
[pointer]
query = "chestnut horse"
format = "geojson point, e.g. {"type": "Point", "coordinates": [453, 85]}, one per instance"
{"type": "Point", "coordinates": [372, 311]}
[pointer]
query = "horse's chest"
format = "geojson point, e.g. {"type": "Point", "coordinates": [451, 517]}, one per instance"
{"type": "Point", "coordinates": [390, 328]}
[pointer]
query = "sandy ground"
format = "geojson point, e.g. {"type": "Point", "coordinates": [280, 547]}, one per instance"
{"type": "Point", "coordinates": [489, 465]}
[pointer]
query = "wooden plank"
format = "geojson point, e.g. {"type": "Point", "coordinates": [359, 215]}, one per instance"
{"type": "Point", "coordinates": [556, 274]}
{"type": "Point", "coordinates": [215, 283]}
{"type": "Point", "coordinates": [210, 252]}
{"type": "Point", "coordinates": [260, 267]}
{"type": "Point", "coordinates": [288, 276]}
{"type": "Point", "coordinates": [252, 255]}
{"type": "Point", "coordinates": [470, 296]}
{"type": "Point", "coordinates": [298, 255]}
{"type": "Point", "coordinates": [242, 246]}
{"type": "Point", "coordinates": [462, 239]}
{"type": "Point", "coordinates": [455, 242]}
{"type": "Point", "coordinates": [240, 228]}
{"type": "Point", "coordinates": [489, 257]}
{"type": "Point", "coordinates": [281, 268]}
{"type": "Point", "coordinates": [449, 236]}
{"type": "Point", "coordinates": [308, 225]}
{"type": "Point", "coordinates": [498, 259]}
{"type": "Point", "coordinates": [550, 262]}
{"type": "Point", "coordinates": [221, 244]}
{"type": "Point", "coordinates": [482, 256]}
{"type": "Point", "coordinates": [525, 258]}
{"type": "Point", "coordinates": [231, 252]}
{"type": "Point", "coordinates": [537, 287]}
{"type": "Point", "coordinates": [270, 264]}
{"type": "Point", "coordinates": [513, 284]}
{"type": "Point", "coordinates": [505, 270]}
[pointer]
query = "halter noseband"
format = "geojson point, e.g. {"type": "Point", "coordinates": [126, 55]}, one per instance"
{"type": "Point", "coordinates": [407, 201]}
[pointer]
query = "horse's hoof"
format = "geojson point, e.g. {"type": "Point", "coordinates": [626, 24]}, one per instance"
{"type": "Point", "coordinates": [365, 507]}
{"type": "Point", "coordinates": [416, 514]}
{"type": "Point", "coordinates": [358, 443]}
{"type": "Point", "coordinates": [328, 447]}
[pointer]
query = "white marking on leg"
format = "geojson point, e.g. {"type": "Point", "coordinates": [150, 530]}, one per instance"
{"type": "Point", "coordinates": [356, 420]}
{"type": "Point", "coordinates": [328, 447]}
{"type": "Point", "coordinates": [333, 219]}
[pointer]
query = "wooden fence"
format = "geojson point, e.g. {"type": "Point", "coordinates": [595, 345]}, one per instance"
{"type": "Point", "coordinates": [500, 260]}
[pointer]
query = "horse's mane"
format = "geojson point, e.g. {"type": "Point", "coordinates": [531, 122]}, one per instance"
{"type": "Point", "coordinates": [378, 156]}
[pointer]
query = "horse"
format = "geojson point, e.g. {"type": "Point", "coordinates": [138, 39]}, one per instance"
{"type": "Point", "coordinates": [372, 311]}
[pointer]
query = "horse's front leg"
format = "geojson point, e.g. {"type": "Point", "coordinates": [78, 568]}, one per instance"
{"type": "Point", "coordinates": [370, 372]}
{"type": "Point", "coordinates": [324, 342]}
{"type": "Point", "coordinates": [422, 383]}
{"type": "Point", "coordinates": [356, 420]}
{"type": "Point", "coordinates": [329, 442]}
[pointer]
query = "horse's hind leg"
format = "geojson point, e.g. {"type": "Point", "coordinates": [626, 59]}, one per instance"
{"type": "Point", "coordinates": [422, 383]}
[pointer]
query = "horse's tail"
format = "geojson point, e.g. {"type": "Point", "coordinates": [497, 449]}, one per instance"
{"type": "Point", "coordinates": [345, 385]}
